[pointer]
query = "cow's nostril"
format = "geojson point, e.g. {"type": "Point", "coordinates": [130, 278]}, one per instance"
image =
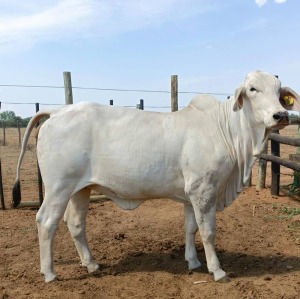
{"type": "Point", "coordinates": [281, 116]}
{"type": "Point", "coordinates": [277, 116]}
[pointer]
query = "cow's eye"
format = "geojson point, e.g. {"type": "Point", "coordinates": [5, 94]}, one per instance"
{"type": "Point", "coordinates": [253, 89]}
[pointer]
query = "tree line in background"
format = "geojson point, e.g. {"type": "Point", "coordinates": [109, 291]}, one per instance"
{"type": "Point", "coordinates": [10, 119]}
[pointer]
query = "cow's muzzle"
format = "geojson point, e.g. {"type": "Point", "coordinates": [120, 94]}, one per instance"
{"type": "Point", "coordinates": [281, 117]}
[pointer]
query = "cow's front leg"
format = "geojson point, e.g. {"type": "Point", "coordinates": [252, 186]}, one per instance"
{"type": "Point", "coordinates": [205, 214]}
{"type": "Point", "coordinates": [75, 217]}
{"type": "Point", "coordinates": [207, 227]}
{"type": "Point", "coordinates": [191, 227]}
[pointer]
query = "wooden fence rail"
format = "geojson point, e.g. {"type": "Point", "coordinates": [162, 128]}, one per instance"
{"type": "Point", "coordinates": [284, 139]}
{"type": "Point", "coordinates": [286, 163]}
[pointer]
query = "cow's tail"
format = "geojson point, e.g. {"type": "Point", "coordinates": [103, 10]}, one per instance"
{"type": "Point", "coordinates": [16, 194]}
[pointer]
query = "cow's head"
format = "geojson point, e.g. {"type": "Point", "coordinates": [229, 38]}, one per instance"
{"type": "Point", "coordinates": [265, 101]}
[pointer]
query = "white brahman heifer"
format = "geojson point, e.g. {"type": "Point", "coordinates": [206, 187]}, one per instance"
{"type": "Point", "coordinates": [201, 156]}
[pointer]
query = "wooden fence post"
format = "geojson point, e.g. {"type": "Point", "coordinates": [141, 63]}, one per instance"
{"type": "Point", "coordinates": [141, 104]}
{"type": "Point", "coordinates": [174, 93]}
{"type": "Point", "coordinates": [19, 133]}
{"type": "Point", "coordinates": [262, 170]}
{"type": "Point", "coordinates": [1, 184]}
{"type": "Point", "coordinates": [68, 88]}
{"type": "Point", "coordinates": [1, 189]}
{"type": "Point", "coordinates": [4, 137]}
{"type": "Point", "coordinates": [275, 150]}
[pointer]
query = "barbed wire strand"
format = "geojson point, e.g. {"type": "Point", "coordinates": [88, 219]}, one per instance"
{"type": "Point", "coordinates": [111, 89]}
{"type": "Point", "coordinates": [102, 89]}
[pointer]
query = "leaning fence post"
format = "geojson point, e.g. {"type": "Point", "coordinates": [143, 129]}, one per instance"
{"type": "Point", "coordinates": [40, 180]}
{"type": "Point", "coordinates": [174, 93]}
{"type": "Point", "coordinates": [68, 88]}
{"type": "Point", "coordinates": [262, 170]}
{"type": "Point", "coordinates": [298, 148]}
{"type": "Point", "coordinates": [275, 150]}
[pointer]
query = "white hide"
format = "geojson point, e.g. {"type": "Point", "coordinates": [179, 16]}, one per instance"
{"type": "Point", "coordinates": [201, 156]}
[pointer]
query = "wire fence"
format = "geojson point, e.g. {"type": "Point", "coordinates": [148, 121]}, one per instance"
{"type": "Point", "coordinates": [151, 97]}
{"type": "Point", "coordinates": [113, 89]}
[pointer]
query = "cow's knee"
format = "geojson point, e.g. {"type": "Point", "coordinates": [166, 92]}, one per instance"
{"type": "Point", "coordinates": [76, 230]}
{"type": "Point", "coordinates": [47, 226]}
{"type": "Point", "coordinates": [208, 236]}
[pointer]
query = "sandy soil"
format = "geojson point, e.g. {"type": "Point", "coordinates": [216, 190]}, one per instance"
{"type": "Point", "coordinates": [141, 253]}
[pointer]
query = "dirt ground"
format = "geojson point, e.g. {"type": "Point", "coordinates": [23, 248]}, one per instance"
{"type": "Point", "coordinates": [141, 253]}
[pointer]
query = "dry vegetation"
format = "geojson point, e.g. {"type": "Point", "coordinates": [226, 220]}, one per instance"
{"type": "Point", "coordinates": [141, 253]}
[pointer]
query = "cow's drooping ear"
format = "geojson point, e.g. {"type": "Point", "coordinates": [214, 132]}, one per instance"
{"type": "Point", "coordinates": [289, 99]}
{"type": "Point", "coordinates": [238, 104]}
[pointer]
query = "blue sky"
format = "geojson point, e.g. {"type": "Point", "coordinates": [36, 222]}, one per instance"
{"type": "Point", "coordinates": [210, 44]}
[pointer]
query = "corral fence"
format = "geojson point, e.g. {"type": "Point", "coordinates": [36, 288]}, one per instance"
{"type": "Point", "coordinates": [274, 158]}
{"type": "Point", "coordinates": [276, 161]}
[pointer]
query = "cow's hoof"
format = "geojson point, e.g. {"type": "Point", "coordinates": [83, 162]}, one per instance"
{"type": "Point", "coordinates": [50, 277]}
{"type": "Point", "coordinates": [93, 268]}
{"type": "Point", "coordinates": [220, 276]}
{"type": "Point", "coordinates": [224, 280]}
{"type": "Point", "coordinates": [194, 265]}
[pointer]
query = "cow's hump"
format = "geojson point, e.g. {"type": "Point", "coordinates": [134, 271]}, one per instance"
{"type": "Point", "coordinates": [203, 102]}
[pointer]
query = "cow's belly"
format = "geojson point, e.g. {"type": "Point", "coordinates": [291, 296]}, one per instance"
{"type": "Point", "coordinates": [139, 186]}
{"type": "Point", "coordinates": [131, 197]}
{"type": "Point", "coordinates": [130, 184]}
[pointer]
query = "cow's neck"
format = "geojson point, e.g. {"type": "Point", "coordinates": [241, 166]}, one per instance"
{"type": "Point", "coordinates": [248, 139]}
{"type": "Point", "coordinates": [244, 142]}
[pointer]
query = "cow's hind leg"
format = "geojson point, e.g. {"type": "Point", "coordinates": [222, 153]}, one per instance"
{"type": "Point", "coordinates": [48, 218]}
{"type": "Point", "coordinates": [191, 228]}
{"type": "Point", "coordinates": [75, 217]}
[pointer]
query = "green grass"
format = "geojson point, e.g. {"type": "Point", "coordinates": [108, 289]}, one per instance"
{"type": "Point", "coordinates": [290, 212]}
{"type": "Point", "coordinates": [284, 212]}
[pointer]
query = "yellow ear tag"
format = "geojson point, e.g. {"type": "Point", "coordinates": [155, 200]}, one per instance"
{"type": "Point", "coordinates": [289, 100]}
